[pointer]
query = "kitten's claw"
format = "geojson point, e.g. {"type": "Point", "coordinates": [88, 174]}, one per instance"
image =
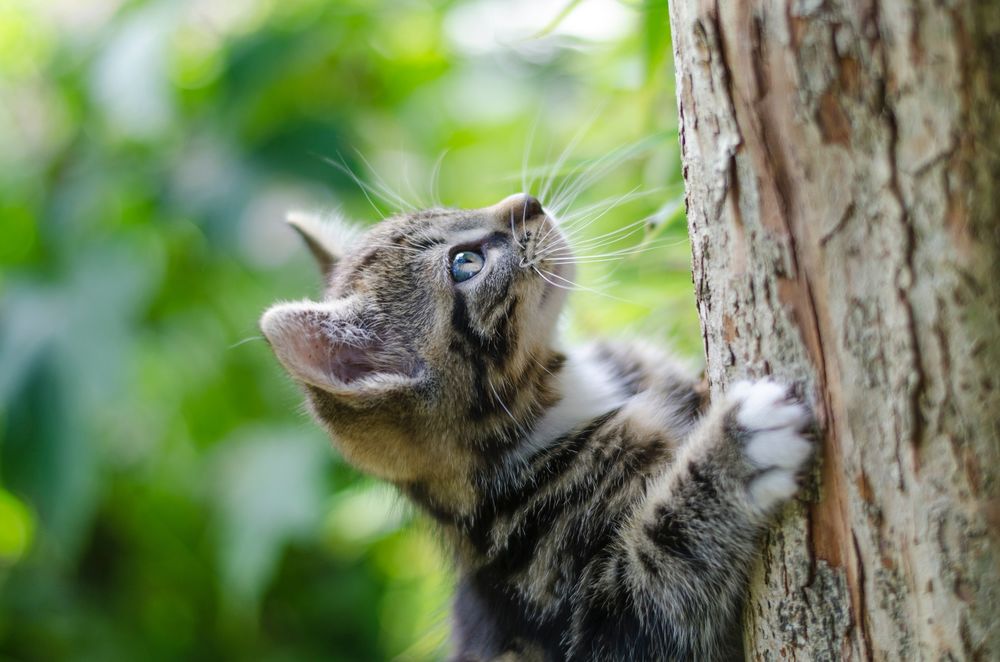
{"type": "Point", "coordinates": [772, 421]}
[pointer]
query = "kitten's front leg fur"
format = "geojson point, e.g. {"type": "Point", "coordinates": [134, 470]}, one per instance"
{"type": "Point", "coordinates": [681, 569]}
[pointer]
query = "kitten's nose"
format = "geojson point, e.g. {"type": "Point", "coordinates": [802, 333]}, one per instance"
{"type": "Point", "coordinates": [520, 207]}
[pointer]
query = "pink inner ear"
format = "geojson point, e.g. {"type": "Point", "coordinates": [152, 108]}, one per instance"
{"type": "Point", "coordinates": [326, 347]}
{"type": "Point", "coordinates": [349, 363]}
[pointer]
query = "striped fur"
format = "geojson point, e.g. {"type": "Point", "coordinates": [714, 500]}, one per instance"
{"type": "Point", "coordinates": [599, 508]}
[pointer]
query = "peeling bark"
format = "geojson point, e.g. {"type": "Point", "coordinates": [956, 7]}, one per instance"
{"type": "Point", "coordinates": [842, 160]}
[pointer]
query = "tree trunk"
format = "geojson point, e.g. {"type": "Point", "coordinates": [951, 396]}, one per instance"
{"type": "Point", "coordinates": [842, 160]}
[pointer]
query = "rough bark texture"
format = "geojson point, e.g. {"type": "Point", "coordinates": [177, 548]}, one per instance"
{"type": "Point", "coordinates": [842, 160]}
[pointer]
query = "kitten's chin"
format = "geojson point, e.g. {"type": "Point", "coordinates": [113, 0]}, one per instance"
{"type": "Point", "coordinates": [566, 272]}
{"type": "Point", "coordinates": [558, 281]}
{"type": "Point", "coordinates": [557, 284]}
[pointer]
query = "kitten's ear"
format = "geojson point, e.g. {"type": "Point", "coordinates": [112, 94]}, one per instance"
{"type": "Point", "coordinates": [328, 236]}
{"type": "Point", "coordinates": [330, 346]}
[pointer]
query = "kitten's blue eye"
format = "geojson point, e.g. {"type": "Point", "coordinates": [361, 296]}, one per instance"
{"type": "Point", "coordinates": [465, 265]}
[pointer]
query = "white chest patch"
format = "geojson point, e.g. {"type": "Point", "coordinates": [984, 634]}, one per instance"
{"type": "Point", "coordinates": [587, 389]}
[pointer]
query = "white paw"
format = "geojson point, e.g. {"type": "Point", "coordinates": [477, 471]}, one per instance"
{"type": "Point", "coordinates": [765, 404]}
{"type": "Point", "coordinates": [773, 422]}
{"type": "Point", "coordinates": [772, 488]}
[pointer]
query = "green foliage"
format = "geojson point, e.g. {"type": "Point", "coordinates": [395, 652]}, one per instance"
{"type": "Point", "coordinates": [162, 494]}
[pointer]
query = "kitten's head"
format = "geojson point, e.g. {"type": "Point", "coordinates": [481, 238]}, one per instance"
{"type": "Point", "coordinates": [435, 327]}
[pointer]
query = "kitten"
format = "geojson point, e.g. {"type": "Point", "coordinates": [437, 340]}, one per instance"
{"type": "Point", "coordinates": [599, 508]}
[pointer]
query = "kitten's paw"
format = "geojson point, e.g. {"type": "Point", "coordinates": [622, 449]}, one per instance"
{"type": "Point", "coordinates": [771, 423]}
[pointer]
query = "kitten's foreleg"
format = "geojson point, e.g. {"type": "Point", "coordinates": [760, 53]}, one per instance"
{"type": "Point", "coordinates": [684, 556]}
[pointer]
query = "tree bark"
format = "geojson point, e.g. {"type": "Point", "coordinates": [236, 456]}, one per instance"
{"type": "Point", "coordinates": [842, 160]}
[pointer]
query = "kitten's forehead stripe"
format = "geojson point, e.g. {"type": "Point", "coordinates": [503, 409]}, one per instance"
{"type": "Point", "coordinates": [470, 223]}
{"type": "Point", "coordinates": [460, 321]}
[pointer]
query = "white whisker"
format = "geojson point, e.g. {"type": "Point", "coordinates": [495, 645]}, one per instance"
{"type": "Point", "coordinates": [573, 228]}
{"type": "Point", "coordinates": [496, 395]}
{"type": "Point", "coordinates": [364, 186]}
{"type": "Point", "coordinates": [632, 227]}
{"type": "Point", "coordinates": [435, 179]}
{"type": "Point", "coordinates": [574, 287]}
{"type": "Point", "coordinates": [409, 186]}
{"type": "Point", "coordinates": [395, 247]}
{"type": "Point", "coordinates": [387, 193]}
{"type": "Point", "coordinates": [591, 208]}
{"type": "Point", "coordinates": [566, 153]}
{"type": "Point", "coordinates": [245, 341]}
{"type": "Point", "coordinates": [631, 250]}
{"type": "Point", "coordinates": [601, 242]}
{"type": "Point", "coordinates": [542, 275]}
{"type": "Point", "coordinates": [577, 229]}
{"type": "Point", "coordinates": [598, 168]}
{"type": "Point", "coordinates": [525, 182]}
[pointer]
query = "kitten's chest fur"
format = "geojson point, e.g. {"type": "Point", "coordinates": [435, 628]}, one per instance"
{"type": "Point", "coordinates": [541, 535]}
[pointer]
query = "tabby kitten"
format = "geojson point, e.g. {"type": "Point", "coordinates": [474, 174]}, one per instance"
{"type": "Point", "coordinates": [598, 507]}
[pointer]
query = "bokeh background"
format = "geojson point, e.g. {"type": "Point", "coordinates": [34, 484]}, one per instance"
{"type": "Point", "coordinates": [162, 494]}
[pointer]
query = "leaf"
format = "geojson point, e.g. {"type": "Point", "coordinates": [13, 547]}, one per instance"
{"type": "Point", "coordinates": [655, 38]}
{"type": "Point", "coordinates": [268, 490]}
{"type": "Point", "coordinates": [17, 528]}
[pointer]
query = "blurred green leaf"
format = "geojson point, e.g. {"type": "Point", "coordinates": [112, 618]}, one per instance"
{"type": "Point", "coordinates": [17, 528]}
{"type": "Point", "coordinates": [269, 489]}
{"type": "Point", "coordinates": [655, 37]}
